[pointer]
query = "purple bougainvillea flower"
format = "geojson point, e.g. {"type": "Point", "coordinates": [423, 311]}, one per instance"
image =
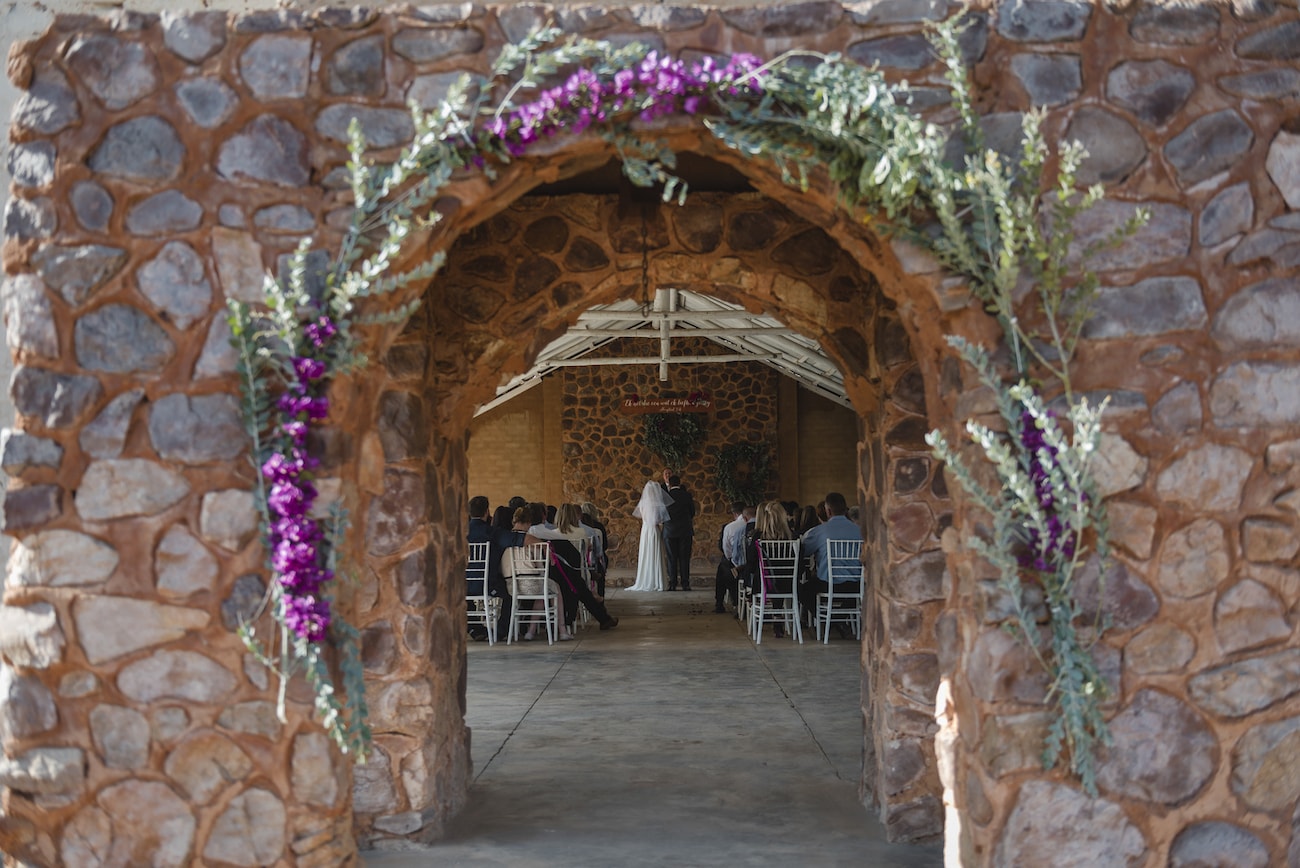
{"type": "Point", "coordinates": [307, 616]}
{"type": "Point", "coordinates": [278, 468]}
{"type": "Point", "coordinates": [320, 331]}
{"type": "Point", "coordinates": [292, 557]}
{"type": "Point", "coordinates": [290, 498]}
{"type": "Point", "coordinates": [318, 408]}
{"type": "Point", "coordinates": [296, 530]}
{"type": "Point", "coordinates": [296, 431]}
{"type": "Point", "coordinates": [308, 369]}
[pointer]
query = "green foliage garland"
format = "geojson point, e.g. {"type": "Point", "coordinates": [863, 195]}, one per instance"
{"type": "Point", "coordinates": [999, 225]}
{"type": "Point", "coordinates": [674, 437]}
{"type": "Point", "coordinates": [751, 487]}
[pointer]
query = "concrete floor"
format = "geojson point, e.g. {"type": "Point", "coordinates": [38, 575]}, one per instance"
{"type": "Point", "coordinates": [671, 740]}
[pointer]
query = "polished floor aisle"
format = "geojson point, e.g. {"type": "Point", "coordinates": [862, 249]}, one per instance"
{"type": "Point", "coordinates": [671, 740]}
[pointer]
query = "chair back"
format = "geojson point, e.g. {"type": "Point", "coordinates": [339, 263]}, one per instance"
{"type": "Point", "coordinates": [476, 568]}
{"type": "Point", "coordinates": [585, 554]}
{"type": "Point", "coordinates": [779, 563]}
{"type": "Point", "coordinates": [844, 561]}
{"type": "Point", "coordinates": [528, 566]}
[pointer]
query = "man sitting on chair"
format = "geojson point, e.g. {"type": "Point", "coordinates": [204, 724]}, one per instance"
{"type": "Point", "coordinates": [481, 529]}
{"type": "Point", "coordinates": [813, 544]}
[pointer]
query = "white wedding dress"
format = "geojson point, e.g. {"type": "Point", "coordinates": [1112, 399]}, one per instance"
{"type": "Point", "coordinates": [651, 559]}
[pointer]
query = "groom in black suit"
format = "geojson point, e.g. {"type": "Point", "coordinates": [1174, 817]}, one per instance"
{"type": "Point", "coordinates": [679, 534]}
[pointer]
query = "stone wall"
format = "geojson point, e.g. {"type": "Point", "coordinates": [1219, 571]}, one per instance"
{"type": "Point", "coordinates": [605, 461]}
{"type": "Point", "coordinates": [161, 165]}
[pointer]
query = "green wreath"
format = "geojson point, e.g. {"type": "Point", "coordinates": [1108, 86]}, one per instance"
{"type": "Point", "coordinates": [743, 471]}
{"type": "Point", "coordinates": [674, 437]}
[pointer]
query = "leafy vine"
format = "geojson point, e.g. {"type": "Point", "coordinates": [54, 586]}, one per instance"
{"type": "Point", "coordinates": [751, 487]}
{"type": "Point", "coordinates": [801, 112]}
{"type": "Point", "coordinates": [674, 437]}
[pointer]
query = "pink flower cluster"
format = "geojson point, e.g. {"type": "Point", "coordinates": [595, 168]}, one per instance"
{"type": "Point", "coordinates": [294, 537]}
{"type": "Point", "coordinates": [655, 87]}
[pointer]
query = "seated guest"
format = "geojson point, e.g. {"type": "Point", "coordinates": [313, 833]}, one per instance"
{"type": "Point", "coordinates": [498, 540]}
{"type": "Point", "coordinates": [813, 544]}
{"type": "Point", "coordinates": [591, 519]}
{"type": "Point", "coordinates": [566, 566]}
{"type": "Point", "coordinates": [771, 524]}
{"type": "Point", "coordinates": [522, 521]}
{"type": "Point", "coordinates": [503, 517]}
{"type": "Point", "coordinates": [805, 520]}
{"type": "Point", "coordinates": [732, 544]}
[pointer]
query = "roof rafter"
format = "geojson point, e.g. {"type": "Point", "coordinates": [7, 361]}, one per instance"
{"type": "Point", "coordinates": [679, 313]}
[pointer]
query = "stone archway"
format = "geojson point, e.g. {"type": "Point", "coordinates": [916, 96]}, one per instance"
{"type": "Point", "coordinates": [165, 164]}
{"type": "Point", "coordinates": [490, 309]}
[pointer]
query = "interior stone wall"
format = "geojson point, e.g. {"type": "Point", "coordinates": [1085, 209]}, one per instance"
{"type": "Point", "coordinates": [605, 461]}
{"type": "Point", "coordinates": [160, 166]}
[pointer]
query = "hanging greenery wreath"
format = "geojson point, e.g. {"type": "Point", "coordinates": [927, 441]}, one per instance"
{"type": "Point", "coordinates": [744, 470]}
{"type": "Point", "coordinates": [674, 437]}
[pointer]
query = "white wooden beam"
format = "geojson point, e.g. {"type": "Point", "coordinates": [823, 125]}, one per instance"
{"type": "Point", "coordinates": [657, 360]}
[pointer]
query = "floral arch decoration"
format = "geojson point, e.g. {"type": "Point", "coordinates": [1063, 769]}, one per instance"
{"type": "Point", "coordinates": [831, 114]}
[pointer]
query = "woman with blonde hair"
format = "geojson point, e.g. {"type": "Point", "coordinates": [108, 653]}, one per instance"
{"type": "Point", "coordinates": [770, 522]}
{"type": "Point", "coordinates": [566, 568]}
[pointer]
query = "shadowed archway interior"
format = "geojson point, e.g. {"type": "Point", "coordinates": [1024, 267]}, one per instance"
{"type": "Point", "coordinates": [533, 269]}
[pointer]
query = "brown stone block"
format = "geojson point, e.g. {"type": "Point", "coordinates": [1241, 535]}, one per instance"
{"type": "Point", "coordinates": [699, 227]}
{"type": "Point", "coordinates": [1001, 669]}
{"type": "Point", "coordinates": [915, 821]}
{"type": "Point", "coordinates": [1163, 751]}
{"type": "Point", "coordinates": [911, 526]}
{"type": "Point", "coordinates": [379, 648]}
{"type": "Point", "coordinates": [32, 506]}
{"type": "Point", "coordinates": [1125, 599]}
{"type": "Point", "coordinates": [1268, 540]}
{"type": "Point", "coordinates": [19, 66]}
{"type": "Point", "coordinates": [1014, 742]}
{"type": "Point", "coordinates": [918, 579]}
{"type": "Point", "coordinates": [1249, 615]}
{"type": "Point", "coordinates": [915, 676]}
{"type": "Point", "coordinates": [547, 235]}
{"type": "Point", "coordinates": [909, 434]}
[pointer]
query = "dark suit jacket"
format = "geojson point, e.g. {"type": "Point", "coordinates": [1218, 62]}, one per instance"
{"type": "Point", "coordinates": [681, 514]}
{"type": "Point", "coordinates": [482, 531]}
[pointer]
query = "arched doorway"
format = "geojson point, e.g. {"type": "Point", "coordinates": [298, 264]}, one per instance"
{"type": "Point", "coordinates": [521, 277]}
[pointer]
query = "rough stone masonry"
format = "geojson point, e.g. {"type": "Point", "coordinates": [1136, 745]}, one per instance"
{"type": "Point", "coordinates": [161, 163]}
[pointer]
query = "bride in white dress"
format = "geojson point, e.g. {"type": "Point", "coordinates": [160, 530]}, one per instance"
{"type": "Point", "coordinates": [651, 560]}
